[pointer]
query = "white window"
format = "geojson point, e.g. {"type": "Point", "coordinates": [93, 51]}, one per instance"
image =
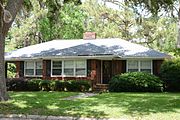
{"type": "Point", "coordinates": [33, 68]}
{"type": "Point", "coordinates": [38, 66]}
{"type": "Point", "coordinates": [139, 65]}
{"type": "Point", "coordinates": [56, 67]}
{"type": "Point", "coordinates": [80, 68]}
{"type": "Point", "coordinates": [69, 68]}
{"type": "Point", "coordinates": [29, 68]}
{"type": "Point", "coordinates": [132, 66]}
{"type": "Point", "coordinates": [145, 66]}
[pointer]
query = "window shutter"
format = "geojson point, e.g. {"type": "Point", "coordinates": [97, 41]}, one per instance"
{"type": "Point", "coordinates": [123, 66]}
{"type": "Point", "coordinates": [21, 72]}
{"type": "Point", "coordinates": [48, 68]}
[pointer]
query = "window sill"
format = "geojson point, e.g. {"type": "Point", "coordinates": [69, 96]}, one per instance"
{"type": "Point", "coordinates": [33, 76]}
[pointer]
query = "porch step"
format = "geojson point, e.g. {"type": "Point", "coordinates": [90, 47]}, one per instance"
{"type": "Point", "coordinates": [101, 87]}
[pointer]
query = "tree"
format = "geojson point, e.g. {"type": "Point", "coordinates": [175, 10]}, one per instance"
{"type": "Point", "coordinates": [68, 24]}
{"type": "Point", "coordinates": [24, 31]}
{"type": "Point", "coordinates": [158, 33]}
{"type": "Point", "coordinates": [11, 9]}
{"type": "Point", "coordinates": [108, 22]}
{"type": "Point", "coordinates": [157, 6]}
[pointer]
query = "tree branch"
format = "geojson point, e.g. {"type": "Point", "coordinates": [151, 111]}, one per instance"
{"type": "Point", "coordinates": [13, 6]}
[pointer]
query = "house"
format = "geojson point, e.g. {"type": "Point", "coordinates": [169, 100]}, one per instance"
{"type": "Point", "coordinates": [88, 58]}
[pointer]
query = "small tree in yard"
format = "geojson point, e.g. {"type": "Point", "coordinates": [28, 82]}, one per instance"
{"type": "Point", "coordinates": [7, 16]}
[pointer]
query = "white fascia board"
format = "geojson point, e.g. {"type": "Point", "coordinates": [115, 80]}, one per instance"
{"type": "Point", "coordinates": [154, 58]}
{"type": "Point", "coordinates": [64, 57]}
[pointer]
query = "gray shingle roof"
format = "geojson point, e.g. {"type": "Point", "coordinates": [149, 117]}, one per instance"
{"type": "Point", "coordinates": [98, 47]}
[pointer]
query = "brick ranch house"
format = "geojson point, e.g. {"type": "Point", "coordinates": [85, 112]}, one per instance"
{"type": "Point", "coordinates": [88, 58]}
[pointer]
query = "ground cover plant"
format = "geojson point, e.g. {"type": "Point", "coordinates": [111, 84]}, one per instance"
{"type": "Point", "coordinates": [148, 106]}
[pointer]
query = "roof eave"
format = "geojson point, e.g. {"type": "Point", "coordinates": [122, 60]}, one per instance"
{"type": "Point", "coordinates": [64, 57]}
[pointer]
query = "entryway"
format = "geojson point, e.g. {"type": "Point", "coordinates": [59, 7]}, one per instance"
{"type": "Point", "coordinates": [106, 71]}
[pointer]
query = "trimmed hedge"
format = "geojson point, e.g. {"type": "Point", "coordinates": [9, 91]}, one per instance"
{"type": "Point", "coordinates": [48, 85]}
{"type": "Point", "coordinates": [79, 85]}
{"type": "Point", "coordinates": [170, 73]}
{"type": "Point", "coordinates": [135, 82]}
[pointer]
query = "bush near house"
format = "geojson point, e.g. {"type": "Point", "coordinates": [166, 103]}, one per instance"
{"type": "Point", "coordinates": [17, 84]}
{"type": "Point", "coordinates": [79, 85]}
{"type": "Point", "coordinates": [170, 74]}
{"type": "Point", "coordinates": [135, 82]}
{"type": "Point", "coordinates": [58, 85]}
{"type": "Point", "coordinates": [48, 85]}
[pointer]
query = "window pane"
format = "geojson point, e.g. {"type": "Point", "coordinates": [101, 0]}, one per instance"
{"type": "Point", "coordinates": [80, 64]}
{"type": "Point", "coordinates": [57, 64]}
{"type": "Point", "coordinates": [133, 64]}
{"type": "Point", "coordinates": [69, 71]}
{"type": "Point", "coordinates": [57, 68]}
{"type": "Point", "coordinates": [57, 72]}
{"type": "Point", "coordinates": [29, 65]}
{"type": "Point", "coordinates": [38, 71]}
{"type": "Point", "coordinates": [146, 70]}
{"type": "Point", "coordinates": [69, 64]}
{"type": "Point", "coordinates": [145, 64]}
{"type": "Point", "coordinates": [29, 72]}
{"type": "Point", "coordinates": [39, 65]}
{"type": "Point", "coordinates": [80, 72]}
{"type": "Point", "coordinates": [132, 70]}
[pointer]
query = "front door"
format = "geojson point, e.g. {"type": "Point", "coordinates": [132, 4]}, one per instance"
{"type": "Point", "coordinates": [106, 71]}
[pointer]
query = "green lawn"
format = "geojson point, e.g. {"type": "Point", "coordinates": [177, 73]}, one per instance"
{"type": "Point", "coordinates": [148, 106]}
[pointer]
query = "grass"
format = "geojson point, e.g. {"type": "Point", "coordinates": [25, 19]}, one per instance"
{"type": "Point", "coordinates": [148, 106]}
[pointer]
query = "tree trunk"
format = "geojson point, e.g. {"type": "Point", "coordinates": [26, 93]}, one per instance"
{"type": "Point", "coordinates": [178, 38]}
{"type": "Point", "coordinates": [13, 7]}
{"type": "Point", "coordinates": [3, 91]}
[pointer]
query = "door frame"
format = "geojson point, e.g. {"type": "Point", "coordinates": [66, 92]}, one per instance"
{"type": "Point", "coordinates": [102, 69]}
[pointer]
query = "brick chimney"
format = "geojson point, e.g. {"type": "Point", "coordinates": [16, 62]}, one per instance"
{"type": "Point", "coordinates": [89, 36]}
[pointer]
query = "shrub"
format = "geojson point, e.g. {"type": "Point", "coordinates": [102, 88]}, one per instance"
{"type": "Point", "coordinates": [135, 82]}
{"type": "Point", "coordinates": [58, 85]}
{"type": "Point", "coordinates": [77, 85]}
{"type": "Point", "coordinates": [170, 73]}
{"type": "Point", "coordinates": [33, 84]}
{"type": "Point", "coordinates": [84, 85]}
{"type": "Point", "coordinates": [17, 84]}
{"type": "Point", "coordinates": [45, 85]}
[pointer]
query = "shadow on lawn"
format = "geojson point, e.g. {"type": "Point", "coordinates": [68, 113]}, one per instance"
{"type": "Point", "coordinates": [99, 106]}
{"type": "Point", "coordinates": [46, 103]}
{"type": "Point", "coordinates": [143, 103]}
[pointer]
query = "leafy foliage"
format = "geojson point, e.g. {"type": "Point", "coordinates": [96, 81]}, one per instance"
{"type": "Point", "coordinates": [170, 73]}
{"type": "Point", "coordinates": [135, 81]}
{"type": "Point", "coordinates": [47, 85]}
{"type": "Point", "coordinates": [154, 6]}
{"type": "Point", "coordinates": [78, 85]}
{"type": "Point", "coordinates": [58, 85]}
{"type": "Point", "coordinates": [69, 24]}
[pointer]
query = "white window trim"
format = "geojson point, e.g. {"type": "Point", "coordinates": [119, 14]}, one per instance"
{"type": "Point", "coordinates": [61, 68]}
{"type": "Point", "coordinates": [34, 67]}
{"type": "Point", "coordinates": [139, 64]}
{"type": "Point", "coordinates": [74, 69]}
